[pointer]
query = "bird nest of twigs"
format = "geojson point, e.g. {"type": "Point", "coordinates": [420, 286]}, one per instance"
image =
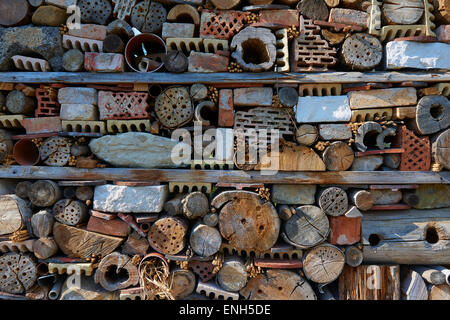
{"type": "Point", "coordinates": [155, 280]}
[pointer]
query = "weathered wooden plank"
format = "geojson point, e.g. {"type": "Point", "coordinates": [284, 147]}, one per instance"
{"type": "Point", "coordinates": [222, 77]}
{"type": "Point", "coordinates": [225, 176]}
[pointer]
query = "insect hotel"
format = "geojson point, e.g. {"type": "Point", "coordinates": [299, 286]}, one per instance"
{"type": "Point", "coordinates": [224, 149]}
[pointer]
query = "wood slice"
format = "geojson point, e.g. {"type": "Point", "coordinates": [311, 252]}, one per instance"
{"type": "Point", "coordinates": [276, 284]}
{"type": "Point", "coordinates": [55, 151]}
{"type": "Point", "coordinates": [440, 149]}
{"type": "Point", "coordinates": [333, 201]}
{"type": "Point", "coordinates": [306, 134]}
{"type": "Point", "coordinates": [211, 219]}
{"type": "Point", "coordinates": [362, 51]}
{"type": "Point", "coordinates": [174, 107]}
{"type": "Point", "coordinates": [116, 272]}
{"type": "Point", "coordinates": [70, 212]}
{"type": "Point", "coordinates": [18, 272]}
{"type": "Point", "coordinates": [362, 199]}
{"type": "Point", "coordinates": [13, 12]}
{"type": "Point", "coordinates": [429, 274]}
{"type": "Point", "coordinates": [174, 205]}
{"type": "Point", "coordinates": [313, 9]}
{"type": "Point", "coordinates": [247, 221]}
{"type": "Point", "coordinates": [95, 11]}
{"type": "Point", "coordinates": [14, 214]}
{"type": "Point", "coordinates": [148, 16]}
{"type": "Point", "coordinates": [113, 44]}
{"type": "Point", "coordinates": [324, 263]}
{"type": "Point", "coordinates": [176, 62]}
{"type": "Point", "coordinates": [413, 286]}
{"type": "Point", "coordinates": [18, 103]}
{"type": "Point", "coordinates": [23, 189]}
{"type": "Point", "coordinates": [353, 256]}
{"type": "Point", "coordinates": [288, 96]}
{"type": "Point", "coordinates": [333, 38]}
{"type": "Point", "coordinates": [233, 274]}
{"type": "Point", "coordinates": [69, 192]}
{"type": "Point", "coordinates": [332, 3]}
{"type": "Point", "coordinates": [307, 228]}
{"type": "Point", "coordinates": [6, 144]}
{"type": "Point", "coordinates": [403, 11]}
{"type": "Point", "coordinates": [84, 193]}
{"type": "Point", "coordinates": [432, 114]}
{"type": "Point", "coordinates": [44, 248]}
{"type": "Point", "coordinates": [183, 283]}
{"type": "Point", "coordinates": [199, 92]}
{"type": "Point", "coordinates": [195, 205]}
{"type": "Point", "coordinates": [441, 292]}
{"type": "Point", "coordinates": [168, 235]}
{"type": "Point", "coordinates": [338, 156]}
{"type": "Point", "coordinates": [205, 240]}
{"type": "Point", "coordinates": [80, 243]}
{"type": "Point", "coordinates": [42, 224]}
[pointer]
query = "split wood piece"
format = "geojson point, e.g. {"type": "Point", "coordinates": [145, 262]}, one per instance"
{"type": "Point", "coordinates": [14, 13]}
{"type": "Point", "coordinates": [122, 126]}
{"type": "Point", "coordinates": [44, 193]}
{"type": "Point", "coordinates": [332, 37]}
{"type": "Point", "coordinates": [282, 44]}
{"type": "Point", "coordinates": [31, 64]}
{"type": "Point", "coordinates": [42, 223]}
{"type": "Point", "coordinates": [82, 44]}
{"type": "Point", "coordinates": [389, 33]}
{"type": "Point", "coordinates": [367, 134]}
{"type": "Point", "coordinates": [206, 112]}
{"type": "Point", "coordinates": [403, 12]}
{"type": "Point", "coordinates": [114, 227]}
{"type": "Point", "coordinates": [55, 151]}
{"type": "Point", "coordinates": [174, 108]}
{"type": "Point", "coordinates": [168, 235]}
{"type": "Point", "coordinates": [306, 134]}
{"type": "Point", "coordinates": [333, 201]}
{"type": "Point", "coordinates": [254, 49]}
{"type": "Point", "coordinates": [233, 274]}
{"type": "Point", "coordinates": [374, 18]}
{"type": "Point", "coordinates": [14, 215]}
{"type": "Point", "coordinates": [361, 51]}
{"type": "Point", "coordinates": [432, 114]}
{"type": "Point", "coordinates": [320, 89]}
{"type": "Point", "coordinates": [307, 228]}
{"type": "Point", "coordinates": [71, 268]}
{"type": "Point", "coordinates": [429, 274]}
{"type": "Point", "coordinates": [205, 240]}
{"type": "Point", "coordinates": [338, 156]}
{"type": "Point", "coordinates": [440, 149]}
{"type": "Point", "coordinates": [18, 103]}
{"type": "Point", "coordinates": [380, 140]}
{"type": "Point", "coordinates": [44, 248]}
{"type": "Point", "coordinates": [18, 272]}
{"type": "Point", "coordinates": [80, 243]}
{"type": "Point", "coordinates": [323, 264]}
{"type": "Point", "coordinates": [148, 16]}
{"type": "Point", "coordinates": [278, 285]}
{"type": "Point", "coordinates": [210, 288]}
{"type": "Point", "coordinates": [441, 292]}
{"type": "Point", "coordinates": [122, 8]}
{"type": "Point", "coordinates": [116, 272]}
{"type": "Point", "coordinates": [23, 189]}
{"type": "Point", "coordinates": [410, 237]}
{"type": "Point", "coordinates": [6, 145]}
{"type": "Point", "coordinates": [204, 269]}
{"type": "Point", "coordinates": [278, 263]}
{"type": "Point", "coordinates": [428, 196]}
{"type": "Point", "coordinates": [353, 256]}
{"type": "Point", "coordinates": [313, 9]}
{"type": "Point", "coordinates": [21, 246]}
{"type": "Point", "coordinates": [247, 221]}
{"type": "Point", "coordinates": [362, 199]}
{"type": "Point", "coordinates": [131, 294]}
{"type": "Point", "coordinates": [183, 283]}
{"type": "Point", "coordinates": [195, 205]}
{"type": "Point", "coordinates": [84, 126]}
{"type": "Point", "coordinates": [370, 282]}
{"type": "Point", "coordinates": [413, 286]}
{"type": "Point", "coordinates": [70, 212]}
{"type": "Point", "coordinates": [176, 62]}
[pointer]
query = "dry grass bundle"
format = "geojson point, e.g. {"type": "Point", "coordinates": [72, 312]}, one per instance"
{"type": "Point", "coordinates": [154, 279]}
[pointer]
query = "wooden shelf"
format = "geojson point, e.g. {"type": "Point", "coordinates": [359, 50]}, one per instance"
{"type": "Point", "coordinates": [226, 176]}
{"type": "Point", "coordinates": [241, 78]}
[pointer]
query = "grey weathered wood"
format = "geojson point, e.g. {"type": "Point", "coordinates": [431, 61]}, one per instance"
{"type": "Point", "coordinates": [84, 193]}
{"type": "Point", "coordinates": [431, 275]}
{"type": "Point", "coordinates": [22, 189]}
{"type": "Point", "coordinates": [306, 134]}
{"type": "Point", "coordinates": [440, 149]}
{"type": "Point", "coordinates": [174, 205]}
{"type": "Point", "coordinates": [362, 199]}
{"type": "Point", "coordinates": [205, 240]}
{"type": "Point", "coordinates": [42, 223]}
{"type": "Point", "coordinates": [369, 130]}
{"type": "Point", "coordinates": [44, 193]}
{"type": "Point", "coordinates": [432, 114]}
{"type": "Point", "coordinates": [214, 176]}
{"type": "Point", "coordinates": [195, 205]}
{"type": "Point", "coordinates": [233, 274]}
{"type": "Point", "coordinates": [413, 286]}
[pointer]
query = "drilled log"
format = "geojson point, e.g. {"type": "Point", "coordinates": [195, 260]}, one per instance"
{"type": "Point", "coordinates": [361, 51]}
{"type": "Point", "coordinates": [70, 212]}
{"type": "Point", "coordinates": [168, 235]}
{"type": "Point", "coordinates": [323, 264]}
{"type": "Point", "coordinates": [18, 272]}
{"type": "Point", "coordinates": [432, 115]}
{"type": "Point", "coordinates": [333, 201]}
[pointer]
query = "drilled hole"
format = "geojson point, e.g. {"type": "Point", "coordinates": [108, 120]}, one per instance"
{"type": "Point", "coordinates": [374, 239]}
{"type": "Point", "coordinates": [431, 235]}
{"type": "Point", "coordinates": [436, 111]}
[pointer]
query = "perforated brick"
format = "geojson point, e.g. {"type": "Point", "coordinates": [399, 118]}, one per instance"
{"type": "Point", "coordinates": [123, 105]}
{"type": "Point", "coordinates": [417, 155]}
{"type": "Point", "coordinates": [221, 24]}
{"type": "Point", "coordinates": [47, 105]}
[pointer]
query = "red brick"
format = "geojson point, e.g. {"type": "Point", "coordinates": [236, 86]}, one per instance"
{"type": "Point", "coordinates": [226, 108]}
{"type": "Point", "coordinates": [253, 97]}
{"type": "Point", "coordinates": [103, 215]}
{"type": "Point", "coordinates": [207, 62]}
{"type": "Point", "coordinates": [282, 18]}
{"type": "Point", "coordinates": [42, 125]}
{"type": "Point", "coordinates": [90, 31]}
{"type": "Point", "coordinates": [443, 33]}
{"type": "Point", "coordinates": [114, 227]}
{"type": "Point", "coordinates": [104, 62]}
{"type": "Point", "coordinates": [123, 105]}
{"type": "Point", "coordinates": [221, 24]}
{"type": "Point", "coordinates": [349, 16]}
{"type": "Point", "coordinates": [278, 263]}
{"type": "Point", "coordinates": [344, 231]}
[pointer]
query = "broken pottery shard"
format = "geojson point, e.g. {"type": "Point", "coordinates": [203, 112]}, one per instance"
{"type": "Point", "coordinates": [138, 150]}
{"type": "Point", "coordinates": [323, 109]}
{"type": "Point", "coordinates": [113, 198]}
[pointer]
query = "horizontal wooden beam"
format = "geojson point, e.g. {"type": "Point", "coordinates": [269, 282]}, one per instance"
{"type": "Point", "coordinates": [225, 77]}
{"type": "Point", "coordinates": [225, 176]}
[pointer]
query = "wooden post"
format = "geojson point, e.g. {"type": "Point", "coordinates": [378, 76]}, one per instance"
{"type": "Point", "coordinates": [42, 223]}
{"type": "Point", "coordinates": [44, 193]}
{"type": "Point", "coordinates": [323, 263]}
{"type": "Point", "coordinates": [116, 272]}
{"type": "Point", "coordinates": [205, 240]}
{"type": "Point", "coordinates": [176, 62]}
{"type": "Point", "coordinates": [233, 274]}
{"type": "Point", "coordinates": [432, 115]}
{"type": "Point", "coordinates": [362, 199]}
{"type": "Point", "coordinates": [428, 196]}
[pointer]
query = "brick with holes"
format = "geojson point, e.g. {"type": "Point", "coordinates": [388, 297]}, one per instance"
{"type": "Point", "coordinates": [221, 24]}
{"type": "Point", "coordinates": [226, 108]}
{"type": "Point", "coordinates": [123, 105]}
{"type": "Point", "coordinates": [47, 105]}
{"type": "Point", "coordinates": [104, 62]}
{"type": "Point", "coordinates": [417, 155]}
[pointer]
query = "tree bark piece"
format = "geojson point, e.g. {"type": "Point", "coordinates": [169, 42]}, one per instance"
{"type": "Point", "coordinates": [323, 264]}
{"type": "Point", "coordinates": [233, 274]}
{"type": "Point", "coordinates": [313, 9]}
{"type": "Point", "coordinates": [195, 205]}
{"type": "Point", "coordinates": [247, 221]}
{"type": "Point", "coordinates": [403, 11]}
{"type": "Point", "coordinates": [14, 214]}
{"type": "Point", "coordinates": [13, 13]}
{"type": "Point", "coordinates": [70, 212]}
{"type": "Point", "coordinates": [17, 272]}
{"type": "Point", "coordinates": [205, 240]}
{"type": "Point", "coordinates": [116, 272]}
{"type": "Point", "coordinates": [413, 286]}
{"type": "Point", "coordinates": [183, 283]}
{"type": "Point", "coordinates": [168, 235]}
{"type": "Point", "coordinates": [79, 243]}
{"type": "Point", "coordinates": [362, 51]}
{"type": "Point", "coordinates": [333, 201]}
{"type": "Point", "coordinates": [307, 228]}
{"type": "Point", "coordinates": [276, 284]}
{"type": "Point", "coordinates": [42, 224]}
{"type": "Point", "coordinates": [44, 193]}
{"type": "Point", "coordinates": [362, 199]}
{"type": "Point", "coordinates": [338, 156]}
{"type": "Point", "coordinates": [306, 134]}
{"type": "Point", "coordinates": [367, 134]}
{"type": "Point", "coordinates": [44, 248]}
{"type": "Point", "coordinates": [440, 149]}
{"type": "Point", "coordinates": [432, 115]}
{"type": "Point", "coordinates": [370, 282]}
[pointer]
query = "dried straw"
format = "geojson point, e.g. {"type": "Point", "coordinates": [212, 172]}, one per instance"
{"type": "Point", "coordinates": [155, 280]}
